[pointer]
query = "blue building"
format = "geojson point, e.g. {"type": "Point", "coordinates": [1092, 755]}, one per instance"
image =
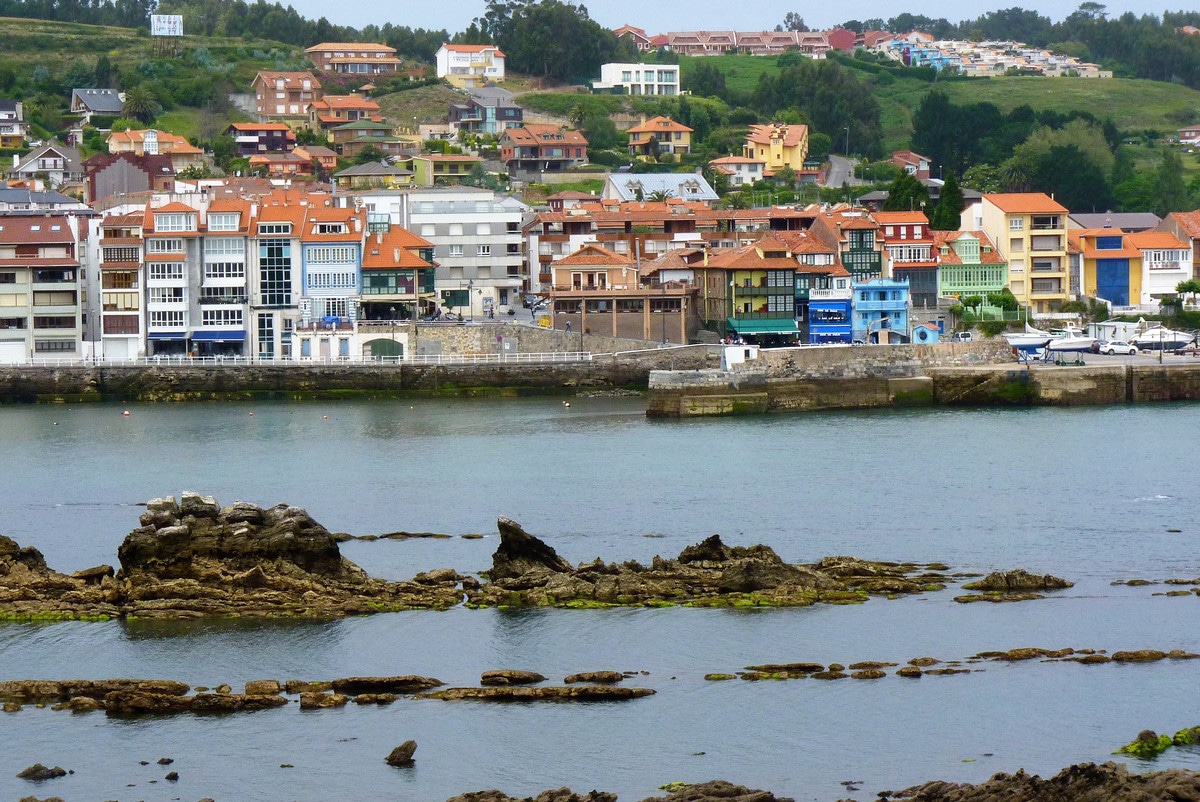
{"type": "Point", "coordinates": [880, 311]}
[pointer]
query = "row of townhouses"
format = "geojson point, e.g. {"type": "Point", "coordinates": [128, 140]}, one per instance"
{"type": "Point", "coordinates": [281, 274]}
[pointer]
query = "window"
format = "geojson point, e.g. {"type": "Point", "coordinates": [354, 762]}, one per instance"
{"type": "Point", "coordinates": [53, 276]}
{"type": "Point", "coordinates": [164, 246]}
{"type": "Point", "coordinates": [274, 228]}
{"type": "Point", "coordinates": [275, 272]}
{"type": "Point", "coordinates": [174, 222]}
{"type": "Point", "coordinates": [165, 270]}
{"type": "Point", "coordinates": [483, 229]}
{"type": "Point", "coordinates": [215, 270]}
{"type": "Point", "coordinates": [54, 322]}
{"type": "Point", "coordinates": [428, 230]}
{"type": "Point", "coordinates": [331, 281]}
{"type": "Point", "coordinates": [266, 336]}
{"type": "Point", "coordinates": [1016, 224]}
{"type": "Point", "coordinates": [456, 229]}
{"type": "Point", "coordinates": [229, 317]}
{"type": "Point", "coordinates": [456, 250]}
{"type": "Point", "coordinates": [118, 280]}
{"type": "Point", "coordinates": [166, 320]}
{"type": "Point", "coordinates": [331, 228]}
{"type": "Point", "coordinates": [8, 278]}
{"type": "Point", "coordinates": [224, 246]}
{"type": "Point", "coordinates": [225, 221]}
{"type": "Point", "coordinates": [330, 255]}
{"type": "Point", "coordinates": [119, 255]}
{"type": "Point", "coordinates": [53, 346]}
{"type": "Point", "coordinates": [166, 295]}
{"type": "Point", "coordinates": [483, 250]}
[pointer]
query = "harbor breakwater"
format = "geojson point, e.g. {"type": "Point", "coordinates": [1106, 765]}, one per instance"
{"type": "Point", "coordinates": [946, 374]}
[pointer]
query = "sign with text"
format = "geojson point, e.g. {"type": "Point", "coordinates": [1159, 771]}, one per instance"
{"type": "Point", "coordinates": [166, 25]}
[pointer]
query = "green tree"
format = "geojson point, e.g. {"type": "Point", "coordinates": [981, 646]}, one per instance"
{"type": "Point", "coordinates": [819, 146]}
{"type": "Point", "coordinates": [906, 194]}
{"type": "Point", "coordinates": [792, 21]}
{"type": "Point", "coordinates": [1169, 188]}
{"type": "Point", "coordinates": [601, 132]}
{"type": "Point", "coordinates": [785, 177]}
{"type": "Point", "coordinates": [1190, 287]}
{"type": "Point", "coordinates": [947, 215]}
{"type": "Point", "coordinates": [982, 178]}
{"type": "Point", "coordinates": [141, 103]}
{"type": "Point", "coordinates": [369, 154]}
{"type": "Point", "coordinates": [705, 80]}
{"type": "Point", "coordinates": [1074, 180]}
{"type": "Point", "coordinates": [660, 196]}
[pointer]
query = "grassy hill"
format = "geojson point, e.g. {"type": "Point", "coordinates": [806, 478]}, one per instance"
{"type": "Point", "coordinates": [1134, 105]}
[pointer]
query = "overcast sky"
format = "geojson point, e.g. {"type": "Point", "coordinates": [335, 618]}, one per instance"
{"type": "Point", "coordinates": [455, 15]}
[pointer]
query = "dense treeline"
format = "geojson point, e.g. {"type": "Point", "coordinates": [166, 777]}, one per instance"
{"type": "Point", "coordinates": [1076, 157]}
{"type": "Point", "coordinates": [548, 38]}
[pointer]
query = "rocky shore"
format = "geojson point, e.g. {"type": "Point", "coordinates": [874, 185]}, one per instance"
{"type": "Point", "coordinates": [194, 558]}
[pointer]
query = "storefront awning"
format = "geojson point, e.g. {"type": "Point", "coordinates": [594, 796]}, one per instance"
{"type": "Point", "coordinates": [218, 336]}
{"type": "Point", "coordinates": [167, 335]}
{"type": "Point", "coordinates": [768, 326]}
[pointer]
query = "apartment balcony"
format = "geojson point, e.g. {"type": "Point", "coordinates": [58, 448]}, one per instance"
{"type": "Point", "coordinates": [826, 294]}
{"type": "Point", "coordinates": [758, 292]}
{"type": "Point", "coordinates": [880, 306]}
{"type": "Point", "coordinates": [222, 300]}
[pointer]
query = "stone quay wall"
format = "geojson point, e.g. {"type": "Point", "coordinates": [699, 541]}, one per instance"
{"type": "Point", "coordinates": [190, 382]}
{"type": "Point", "coordinates": [946, 374]}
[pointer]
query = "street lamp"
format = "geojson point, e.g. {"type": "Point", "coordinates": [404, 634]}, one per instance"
{"type": "Point", "coordinates": [847, 151]}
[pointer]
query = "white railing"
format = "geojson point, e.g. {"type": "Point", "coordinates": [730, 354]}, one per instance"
{"type": "Point", "coordinates": [382, 361]}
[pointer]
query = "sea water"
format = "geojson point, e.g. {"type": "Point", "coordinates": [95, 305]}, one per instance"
{"type": "Point", "coordinates": [1091, 495]}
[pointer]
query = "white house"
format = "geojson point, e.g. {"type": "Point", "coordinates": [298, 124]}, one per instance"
{"type": "Point", "coordinates": [742, 171]}
{"type": "Point", "coordinates": [638, 79]}
{"type": "Point", "coordinates": [470, 66]}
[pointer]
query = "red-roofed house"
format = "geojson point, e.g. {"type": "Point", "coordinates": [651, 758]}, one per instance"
{"type": "Point", "coordinates": [150, 142]}
{"type": "Point", "coordinates": [542, 147]}
{"type": "Point", "coordinates": [1185, 226]}
{"type": "Point", "coordinates": [637, 36]}
{"type": "Point", "coordinates": [252, 138]}
{"type": "Point", "coordinates": [598, 291]}
{"type": "Point", "coordinates": [354, 58]}
{"type": "Point", "coordinates": [659, 135]}
{"type": "Point", "coordinates": [912, 163]}
{"type": "Point", "coordinates": [285, 96]}
{"type": "Point", "coordinates": [39, 273]}
{"type": "Point", "coordinates": [1029, 229]}
{"type": "Point", "coordinates": [779, 145]}
{"type": "Point", "coordinates": [334, 110]}
{"type": "Point", "coordinates": [469, 66]}
{"type": "Point", "coordinates": [908, 243]}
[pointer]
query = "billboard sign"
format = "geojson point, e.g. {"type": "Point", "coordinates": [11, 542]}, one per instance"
{"type": "Point", "coordinates": [166, 25]}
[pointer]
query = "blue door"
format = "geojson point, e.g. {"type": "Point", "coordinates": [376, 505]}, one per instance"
{"type": "Point", "coordinates": [1112, 281]}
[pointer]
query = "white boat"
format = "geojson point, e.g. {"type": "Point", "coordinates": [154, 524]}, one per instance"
{"type": "Point", "coordinates": [1028, 340]}
{"type": "Point", "coordinates": [1069, 339]}
{"type": "Point", "coordinates": [1160, 338]}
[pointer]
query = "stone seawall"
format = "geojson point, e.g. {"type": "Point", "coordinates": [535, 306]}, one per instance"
{"type": "Point", "coordinates": [215, 382]}
{"type": "Point", "coordinates": [947, 374]}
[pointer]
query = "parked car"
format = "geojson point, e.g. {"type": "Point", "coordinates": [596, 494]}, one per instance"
{"type": "Point", "coordinates": [961, 337]}
{"type": "Point", "coordinates": [1118, 347]}
{"type": "Point", "coordinates": [1097, 345]}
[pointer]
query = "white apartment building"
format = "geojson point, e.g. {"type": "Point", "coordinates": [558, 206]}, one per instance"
{"type": "Point", "coordinates": [638, 79]}
{"type": "Point", "coordinates": [478, 246]}
{"type": "Point", "coordinates": [470, 66]}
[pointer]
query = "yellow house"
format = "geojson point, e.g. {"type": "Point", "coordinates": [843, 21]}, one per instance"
{"type": "Point", "coordinates": [779, 145]}
{"type": "Point", "coordinates": [659, 135]}
{"type": "Point", "coordinates": [1029, 230]}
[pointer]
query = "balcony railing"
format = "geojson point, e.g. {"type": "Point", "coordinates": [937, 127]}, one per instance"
{"type": "Point", "coordinates": [741, 292]}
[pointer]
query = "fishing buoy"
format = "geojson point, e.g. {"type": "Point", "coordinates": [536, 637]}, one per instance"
{"type": "Point", "coordinates": [324, 417]}
{"type": "Point", "coordinates": [125, 414]}
{"type": "Point", "coordinates": [252, 414]}
{"type": "Point", "coordinates": [566, 403]}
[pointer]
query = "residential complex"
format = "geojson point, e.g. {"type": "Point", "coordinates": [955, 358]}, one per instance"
{"type": "Point", "coordinates": [638, 79]}
{"type": "Point", "coordinates": [470, 66]}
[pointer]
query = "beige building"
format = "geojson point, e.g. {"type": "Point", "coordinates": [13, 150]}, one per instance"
{"type": "Point", "coordinates": [1029, 230]}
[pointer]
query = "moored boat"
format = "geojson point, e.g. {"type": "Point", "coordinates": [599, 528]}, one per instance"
{"type": "Point", "coordinates": [1160, 338]}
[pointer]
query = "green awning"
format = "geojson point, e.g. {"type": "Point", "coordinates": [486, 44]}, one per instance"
{"type": "Point", "coordinates": [783, 325]}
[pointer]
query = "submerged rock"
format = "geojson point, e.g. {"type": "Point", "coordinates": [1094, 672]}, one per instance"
{"type": "Point", "coordinates": [38, 773]}
{"type": "Point", "coordinates": [510, 676]}
{"type": "Point", "coordinates": [572, 693]}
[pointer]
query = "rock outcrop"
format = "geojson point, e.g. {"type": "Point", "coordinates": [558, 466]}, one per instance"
{"type": "Point", "coordinates": [527, 572]}
{"type": "Point", "coordinates": [556, 693]}
{"type": "Point", "coordinates": [192, 558]}
{"type": "Point", "coordinates": [1017, 581]}
{"type": "Point", "coordinates": [402, 755]}
{"type": "Point", "coordinates": [1086, 782]}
